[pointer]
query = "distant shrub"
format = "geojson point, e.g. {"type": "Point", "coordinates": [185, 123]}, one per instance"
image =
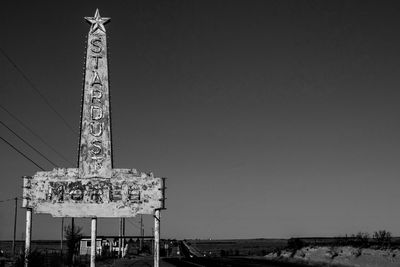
{"type": "Point", "coordinates": [35, 258]}
{"type": "Point", "coordinates": [360, 240]}
{"type": "Point", "coordinates": [73, 236]}
{"type": "Point", "coordinates": [357, 253]}
{"type": "Point", "coordinates": [382, 238]}
{"type": "Point", "coordinates": [230, 252]}
{"type": "Point", "coordinates": [332, 253]}
{"type": "Point", "coordinates": [55, 260]}
{"type": "Point", "coordinates": [342, 241]}
{"type": "Point", "coordinates": [295, 243]}
{"type": "Point", "coordinates": [276, 252]}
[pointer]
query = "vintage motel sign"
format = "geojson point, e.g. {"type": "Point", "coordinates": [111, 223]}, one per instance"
{"type": "Point", "coordinates": [94, 189]}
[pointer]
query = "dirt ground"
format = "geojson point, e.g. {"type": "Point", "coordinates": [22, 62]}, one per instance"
{"type": "Point", "coordinates": [135, 262]}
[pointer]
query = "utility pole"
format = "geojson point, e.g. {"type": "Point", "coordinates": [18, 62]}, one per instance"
{"type": "Point", "coordinates": [141, 233]}
{"type": "Point", "coordinates": [73, 238]}
{"type": "Point", "coordinates": [62, 235]}
{"type": "Point", "coordinates": [15, 225]}
{"type": "Point", "coordinates": [123, 237]}
{"type": "Point", "coordinates": [120, 238]}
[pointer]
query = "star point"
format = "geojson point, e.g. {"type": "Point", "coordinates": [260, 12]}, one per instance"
{"type": "Point", "coordinates": [97, 22]}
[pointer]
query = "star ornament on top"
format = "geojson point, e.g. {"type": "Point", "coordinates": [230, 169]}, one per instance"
{"type": "Point", "coordinates": [97, 22]}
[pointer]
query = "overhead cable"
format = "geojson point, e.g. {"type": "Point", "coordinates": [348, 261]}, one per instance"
{"type": "Point", "coordinates": [35, 134]}
{"type": "Point", "coordinates": [32, 85]}
{"type": "Point", "coordinates": [20, 152]}
{"type": "Point", "coordinates": [26, 143]}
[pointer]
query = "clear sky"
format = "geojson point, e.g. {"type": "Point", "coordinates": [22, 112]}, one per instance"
{"type": "Point", "coordinates": [269, 118]}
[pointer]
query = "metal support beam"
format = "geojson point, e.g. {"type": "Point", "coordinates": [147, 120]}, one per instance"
{"type": "Point", "coordinates": [120, 239]}
{"type": "Point", "coordinates": [123, 237]}
{"type": "Point", "coordinates": [157, 218]}
{"type": "Point", "coordinates": [93, 243]}
{"type": "Point", "coordinates": [15, 225]}
{"type": "Point", "coordinates": [62, 235]}
{"type": "Point", "coordinates": [141, 233]}
{"type": "Point", "coordinates": [28, 235]}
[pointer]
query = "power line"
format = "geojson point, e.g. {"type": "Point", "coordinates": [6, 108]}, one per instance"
{"type": "Point", "coordinates": [26, 143]}
{"type": "Point", "coordinates": [25, 156]}
{"type": "Point", "coordinates": [32, 85]}
{"type": "Point", "coordinates": [5, 200]}
{"type": "Point", "coordinates": [35, 134]}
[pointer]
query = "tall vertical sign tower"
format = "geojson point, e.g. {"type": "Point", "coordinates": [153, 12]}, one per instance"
{"type": "Point", "coordinates": [94, 189]}
{"type": "Point", "coordinates": [95, 151]}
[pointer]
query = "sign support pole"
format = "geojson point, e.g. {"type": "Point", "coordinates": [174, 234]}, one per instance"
{"type": "Point", "coordinates": [93, 243]}
{"type": "Point", "coordinates": [15, 225]}
{"type": "Point", "coordinates": [28, 235]}
{"type": "Point", "coordinates": [120, 238]}
{"type": "Point", "coordinates": [62, 235]}
{"type": "Point", "coordinates": [141, 233]}
{"type": "Point", "coordinates": [157, 238]}
{"type": "Point", "coordinates": [123, 238]}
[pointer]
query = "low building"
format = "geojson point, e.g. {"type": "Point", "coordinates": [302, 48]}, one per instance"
{"type": "Point", "coordinates": [109, 245]}
{"type": "Point", "coordinates": [86, 244]}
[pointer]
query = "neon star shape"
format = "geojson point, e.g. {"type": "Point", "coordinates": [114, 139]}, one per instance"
{"type": "Point", "coordinates": [97, 22]}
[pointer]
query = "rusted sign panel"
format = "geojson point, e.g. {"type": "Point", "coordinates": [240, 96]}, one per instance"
{"type": "Point", "coordinates": [62, 194]}
{"type": "Point", "coordinates": [95, 141]}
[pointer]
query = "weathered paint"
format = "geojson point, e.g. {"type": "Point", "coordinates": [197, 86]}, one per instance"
{"type": "Point", "coordinates": [94, 189]}
{"type": "Point", "coordinates": [93, 234]}
{"type": "Point", "coordinates": [62, 193]}
{"type": "Point", "coordinates": [28, 236]}
{"type": "Point", "coordinates": [95, 155]}
{"type": "Point", "coordinates": [157, 218]}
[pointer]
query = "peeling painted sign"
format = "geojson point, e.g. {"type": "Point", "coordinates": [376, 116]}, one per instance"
{"type": "Point", "coordinates": [94, 189]}
{"type": "Point", "coordinates": [62, 194]}
{"type": "Point", "coordinates": [95, 140]}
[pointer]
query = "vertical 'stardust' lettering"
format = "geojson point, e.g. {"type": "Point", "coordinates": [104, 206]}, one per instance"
{"type": "Point", "coordinates": [96, 96]}
{"type": "Point", "coordinates": [96, 113]}
{"type": "Point", "coordinates": [96, 58]}
{"type": "Point", "coordinates": [96, 43]}
{"type": "Point", "coordinates": [96, 148]}
{"type": "Point", "coordinates": [96, 79]}
{"type": "Point", "coordinates": [98, 162]}
{"type": "Point", "coordinates": [96, 128]}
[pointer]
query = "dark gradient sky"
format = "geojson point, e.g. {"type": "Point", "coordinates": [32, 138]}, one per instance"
{"type": "Point", "coordinates": [269, 118]}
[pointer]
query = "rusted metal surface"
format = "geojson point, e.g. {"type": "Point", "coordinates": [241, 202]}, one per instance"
{"type": "Point", "coordinates": [62, 193]}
